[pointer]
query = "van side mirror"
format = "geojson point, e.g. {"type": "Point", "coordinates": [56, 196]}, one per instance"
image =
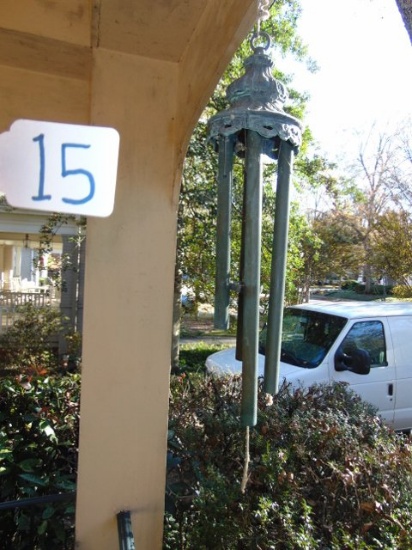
{"type": "Point", "coordinates": [358, 361]}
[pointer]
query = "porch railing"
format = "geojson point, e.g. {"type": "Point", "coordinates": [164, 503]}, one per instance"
{"type": "Point", "coordinates": [10, 302]}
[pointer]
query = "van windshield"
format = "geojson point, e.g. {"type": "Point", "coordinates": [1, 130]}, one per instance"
{"type": "Point", "coordinates": [307, 336]}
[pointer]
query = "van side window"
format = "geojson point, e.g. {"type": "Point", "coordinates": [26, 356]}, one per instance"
{"type": "Point", "coordinates": [370, 337]}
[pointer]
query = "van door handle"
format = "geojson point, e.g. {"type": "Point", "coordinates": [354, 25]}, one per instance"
{"type": "Point", "coordinates": [390, 389]}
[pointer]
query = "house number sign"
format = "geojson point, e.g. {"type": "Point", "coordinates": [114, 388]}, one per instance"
{"type": "Point", "coordinates": [58, 167]}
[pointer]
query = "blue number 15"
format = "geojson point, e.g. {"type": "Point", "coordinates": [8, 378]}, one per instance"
{"type": "Point", "coordinates": [65, 172]}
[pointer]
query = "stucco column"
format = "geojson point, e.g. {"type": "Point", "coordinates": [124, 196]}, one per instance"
{"type": "Point", "coordinates": [128, 309]}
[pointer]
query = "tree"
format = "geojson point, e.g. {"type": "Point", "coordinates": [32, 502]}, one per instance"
{"type": "Point", "coordinates": [376, 182]}
{"type": "Point", "coordinates": [340, 235]}
{"type": "Point", "coordinates": [382, 174]}
{"type": "Point", "coordinates": [309, 246]}
{"type": "Point", "coordinates": [350, 223]}
{"type": "Point", "coordinates": [400, 168]}
{"type": "Point", "coordinates": [392, 246]}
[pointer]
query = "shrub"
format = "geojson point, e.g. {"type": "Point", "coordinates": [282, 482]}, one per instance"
{"type": "Point", "coordinates": [39, 420]}
{"type": "Point", "coordinates": [382, 290]}
{"type": "Point", "coordinates": [192, 357]}
{"type": "Point", "coordinates": [349, 285]}
{"type": "Point", "coordinates": [354, 286]}
{"type": "Point", "coordinates": [402, 291]}
{"type": "Point", "coordinates": [324, 472]}
{"type": "Point", "coordinates": [28, 344]}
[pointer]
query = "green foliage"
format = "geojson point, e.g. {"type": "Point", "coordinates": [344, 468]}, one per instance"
{"type": "Point", "coordinates": [324, 472]}
{"type": "Point", "coordinates": [351, 285]}
{"type": "Point", "coordinates": [360, 288]}
{"type": "Point", "coordinates": [38, 456]}
{"type": "Point", "coordinates": [392, 247]}
{"type": "Point", "coordinates": [382, 290]}
{"type": "Point", "coordinates": [192, 357]}
{"type": "Point", "coordinates": [304, 258]}
{"type": "Point", "coordinates": [47, 233]}
{"type": "Point", "coordinates": [341, 236]}
{"type": "Point", "coordinates": [29, 345]}
{"type": "Point", "coordinates": [198, 198]}
{"type": "Point", "coordinates": [197, 216]}
{"type": "Point", "coordinates": [367, 226]}
{"type": "Point", "coordinates": [402, 291]}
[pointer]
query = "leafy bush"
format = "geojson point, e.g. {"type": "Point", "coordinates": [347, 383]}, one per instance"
{"type": "Point", "coordinates": [350, 285]}
{"type": "Point", "coordinates": [28, 344]}
{"type": "Point", "coordinates": [359, 288]}
{"type": "Point", "coordinates": [324, 472]}
{"type": "Point", "coordinates": [382, 290]}
{"type": "Point", "coordinates": [39, 420]}
{"type": "Point", "coordinates": [192, 357]}
{"type": "Point", "coordinates": [402, 291]}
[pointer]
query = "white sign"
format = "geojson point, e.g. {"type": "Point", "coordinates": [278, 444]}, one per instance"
{"type": "Point", "coordinates": [57, 167]}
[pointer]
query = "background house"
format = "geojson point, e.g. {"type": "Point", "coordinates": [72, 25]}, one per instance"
{"type": "Point", "coordinates": [24, 276]}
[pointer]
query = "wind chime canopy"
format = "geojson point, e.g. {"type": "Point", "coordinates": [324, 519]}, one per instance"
{"type": "Point", "coordinates": [256, 103]}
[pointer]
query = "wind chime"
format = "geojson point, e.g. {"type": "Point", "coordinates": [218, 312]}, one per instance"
{"type": "Point", "coordinates": [253, 125]}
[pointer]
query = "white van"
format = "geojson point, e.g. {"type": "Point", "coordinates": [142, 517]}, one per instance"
{"type": "Point", "coordinates": [366, 344]}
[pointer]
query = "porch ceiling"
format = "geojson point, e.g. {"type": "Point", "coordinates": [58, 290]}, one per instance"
{"type": "Point", "coordinates": [160, 30]}
{"type": "Point", "coordinates": [47, 51]}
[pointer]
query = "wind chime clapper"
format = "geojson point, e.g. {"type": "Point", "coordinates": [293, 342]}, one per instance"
{"type": "Point", "coordinates": [253, 125]}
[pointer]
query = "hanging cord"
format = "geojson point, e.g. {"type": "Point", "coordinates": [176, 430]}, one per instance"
{"type": "Point", "coordinates": [263, 13]}
{"type": "Point", "coordinates": [263, 10]}
{"type": "Point", "coordinates": [245, 476]}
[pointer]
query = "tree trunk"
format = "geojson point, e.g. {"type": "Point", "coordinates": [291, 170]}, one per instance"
{"type": "Point", "coordinates": [405, 8]}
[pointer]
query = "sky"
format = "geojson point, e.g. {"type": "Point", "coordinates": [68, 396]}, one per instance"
{"type": "Point", "coordinates": [365, 77]}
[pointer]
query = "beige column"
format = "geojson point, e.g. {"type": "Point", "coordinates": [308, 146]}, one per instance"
{"type": "Point", "coordinates": [130, 259]}
{"type": "Point", "coordinates": [128, 309]}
